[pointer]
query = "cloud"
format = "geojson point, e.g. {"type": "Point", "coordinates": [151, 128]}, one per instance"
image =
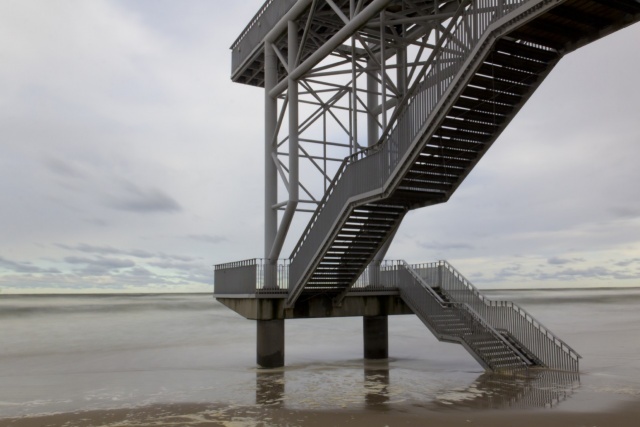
{"type": "Point", "coordinates": [139, 200]}
{"type": "Point", "coordinates": [626, 211]}
{"type": "Point", "coordinates": [136, 253]}
{"type": "Point", "coordinates": [105, 250]}
{"type": "Point", "coordinates": [24, 267]}
{"type": "Point", "coordinates": [447, 246]}
{"type": "Point", "coordinates": [63, 168]}
{"type": "Point", "coordinates": [101, 262]}
{"type": "Point", "coordinates": [562, 261]}
{"type": "Point", "coordinates": [207, 238]}
{"type": "Point", "coordinates": [627, 262]}
{"type": "Point", "coordinates": [596, 272]}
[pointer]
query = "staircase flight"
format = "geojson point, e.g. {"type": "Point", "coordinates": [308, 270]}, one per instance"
{"type": "Point", "coordinates": [491, 60]}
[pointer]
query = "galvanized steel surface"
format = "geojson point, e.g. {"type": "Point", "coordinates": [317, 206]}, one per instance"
{"type": "Point", "coordinates": [367, 172]}
{"type": "Point", "coordinates": [252, 36]}
{"type": "Point", "coordinates": [502, 315]}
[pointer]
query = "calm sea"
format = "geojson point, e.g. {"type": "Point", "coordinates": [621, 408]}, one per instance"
{"type": "Point", "coordinates": [71, 353]}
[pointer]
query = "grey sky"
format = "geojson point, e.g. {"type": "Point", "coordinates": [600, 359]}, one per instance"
{"type": "Point", "coordinates": [130, 162]}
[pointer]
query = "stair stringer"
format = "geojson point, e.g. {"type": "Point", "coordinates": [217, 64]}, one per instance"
{"type": "Point", "coordinates": [541, 346]}
{"type": "Point", "coordinates": [427, 304]}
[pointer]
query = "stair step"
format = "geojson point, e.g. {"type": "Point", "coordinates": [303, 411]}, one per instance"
{"type": "Point", "coordinates": [490, 83]}
{"type": "Point", "coordinates": [457, 143]}
{"type": "Point", "coordinates": [508, 74]}
{"type": "Point", "coordinates": [429, 159]}
{"type": "Point", "coordinates": [484, 107]}
{"type": "Point", "coordinates": [519, 49]}
{"type": "Point", "coordinates": [472, 138]}
{"type": "Point", "coordinates": [518, 62]}
{"type": "Point", "coordinates": [477, 115]}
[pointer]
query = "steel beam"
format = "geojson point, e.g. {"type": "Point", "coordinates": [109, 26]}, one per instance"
{"type": "Point", "coordinates": [339, 38]}
{"type": "Point", "coordinates": [294, 182]}
{"type": "Point", "coordinates": [270, 169]}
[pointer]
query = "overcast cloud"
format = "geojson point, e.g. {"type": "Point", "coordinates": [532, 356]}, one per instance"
{"type": "Point", "coordinates": [130, 162]}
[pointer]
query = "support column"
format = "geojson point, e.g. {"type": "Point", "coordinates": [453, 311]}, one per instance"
{"type": "Point", "coordinates": [270, 171]}
{"type": "Point", "coordinates": [294, 130]}
{"type": "Point", "coordinates": [270, 343]}
{"type": "Point", "coordinates": [373, 133]}
{"type": "Point", "coordinates": [376, 337]}
{"type": "Point", "coordinates": [372, 105]}
{"type": "Point", "coordinates": [294, 182]}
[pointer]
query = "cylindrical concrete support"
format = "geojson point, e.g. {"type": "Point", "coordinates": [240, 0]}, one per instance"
{"type": "Point", "coordinates": [376, 337]}
{"type": "Point", "coordinates": [270, 343]}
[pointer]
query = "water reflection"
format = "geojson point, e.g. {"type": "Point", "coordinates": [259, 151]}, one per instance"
{"type": "Point", "coordinates": [521, 389]}
{"type": "Point", "coordinates": [376, 382]}
{"type": "Point", "coordinates": [525, 389]}
{"type": "Point", "coordinates": [270, 387]}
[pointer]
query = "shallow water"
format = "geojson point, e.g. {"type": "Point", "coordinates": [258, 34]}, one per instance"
{"type": "Point", "coordinates": [70, 353]}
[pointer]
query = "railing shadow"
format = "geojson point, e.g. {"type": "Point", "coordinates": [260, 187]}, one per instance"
{"type": "Point", "coordinates": [521, 389]}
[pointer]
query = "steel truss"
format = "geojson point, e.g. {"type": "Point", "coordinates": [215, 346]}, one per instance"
{"type": "Point", "coordinates": [333, 79]}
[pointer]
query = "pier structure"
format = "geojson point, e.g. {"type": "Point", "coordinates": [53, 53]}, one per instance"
{"type": "Point", "coordinates": [374, 108]}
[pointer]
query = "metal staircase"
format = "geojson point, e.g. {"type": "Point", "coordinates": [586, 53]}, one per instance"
{"type": "Point", "coordinates": [459, 323]}
{"type": "Point", "coordinates": [492, 58]}
{"type": "Point", "coordinates": [473, 65]}
{"type": "Point", "coordinates": [511, 321]}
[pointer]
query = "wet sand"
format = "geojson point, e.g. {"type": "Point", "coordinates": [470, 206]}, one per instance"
{"type": "Point", "coordinates": [204, 415]}
{"type": "Point", "coordinates": [169, 361]}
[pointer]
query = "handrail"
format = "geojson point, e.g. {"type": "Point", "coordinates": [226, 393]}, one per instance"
{"type": "Point", "coordinates": [250, 276]}
{"type": "Point", "coordinates": [467, 308]}
{"type": "Point", "coordinates": [251, 23]}
{"type": "Point", "coordinates": [539, 340]}
{"type": "Point", "coordinates": [511, 304]}
{"type": "Point", "coordinates": [235, 264]}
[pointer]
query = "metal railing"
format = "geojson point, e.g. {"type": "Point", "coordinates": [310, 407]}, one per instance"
{"type": "Point", "coordinates": [251, 276]}
{"type": "Point", "coordinates": [427, 305]}
{"type": "Point", "coordinates": [253, 34]}
{"type": "Point", "coordinates": [502, 315]}
{"type": "Point", "coordinates": [366, 173]}
{"type": "Point", "coordinates": [378, 276]}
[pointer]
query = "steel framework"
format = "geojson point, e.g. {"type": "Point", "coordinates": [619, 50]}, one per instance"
{"type": "Point", "coordinates": [333, 78]}
{"type": "Point", "coordinates": [377, 107]}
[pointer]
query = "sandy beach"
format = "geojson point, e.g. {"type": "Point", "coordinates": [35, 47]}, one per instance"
{"type": "Point", "coordinates": [625, 415]}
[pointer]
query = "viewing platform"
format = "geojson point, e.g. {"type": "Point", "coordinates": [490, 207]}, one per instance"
{"type": "Point", "coordinates": [372, 109]}
{"type": "Point", "coordinates": [498, 334]}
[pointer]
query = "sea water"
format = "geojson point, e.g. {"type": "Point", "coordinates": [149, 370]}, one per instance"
{"type": "Point", "coordinates": [77, 353]}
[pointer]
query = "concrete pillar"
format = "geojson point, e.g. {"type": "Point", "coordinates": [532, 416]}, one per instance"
{"type": "Point", "coordinates": [270, 343]}
{"type": "Point", "coordinates": [376, 337]}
